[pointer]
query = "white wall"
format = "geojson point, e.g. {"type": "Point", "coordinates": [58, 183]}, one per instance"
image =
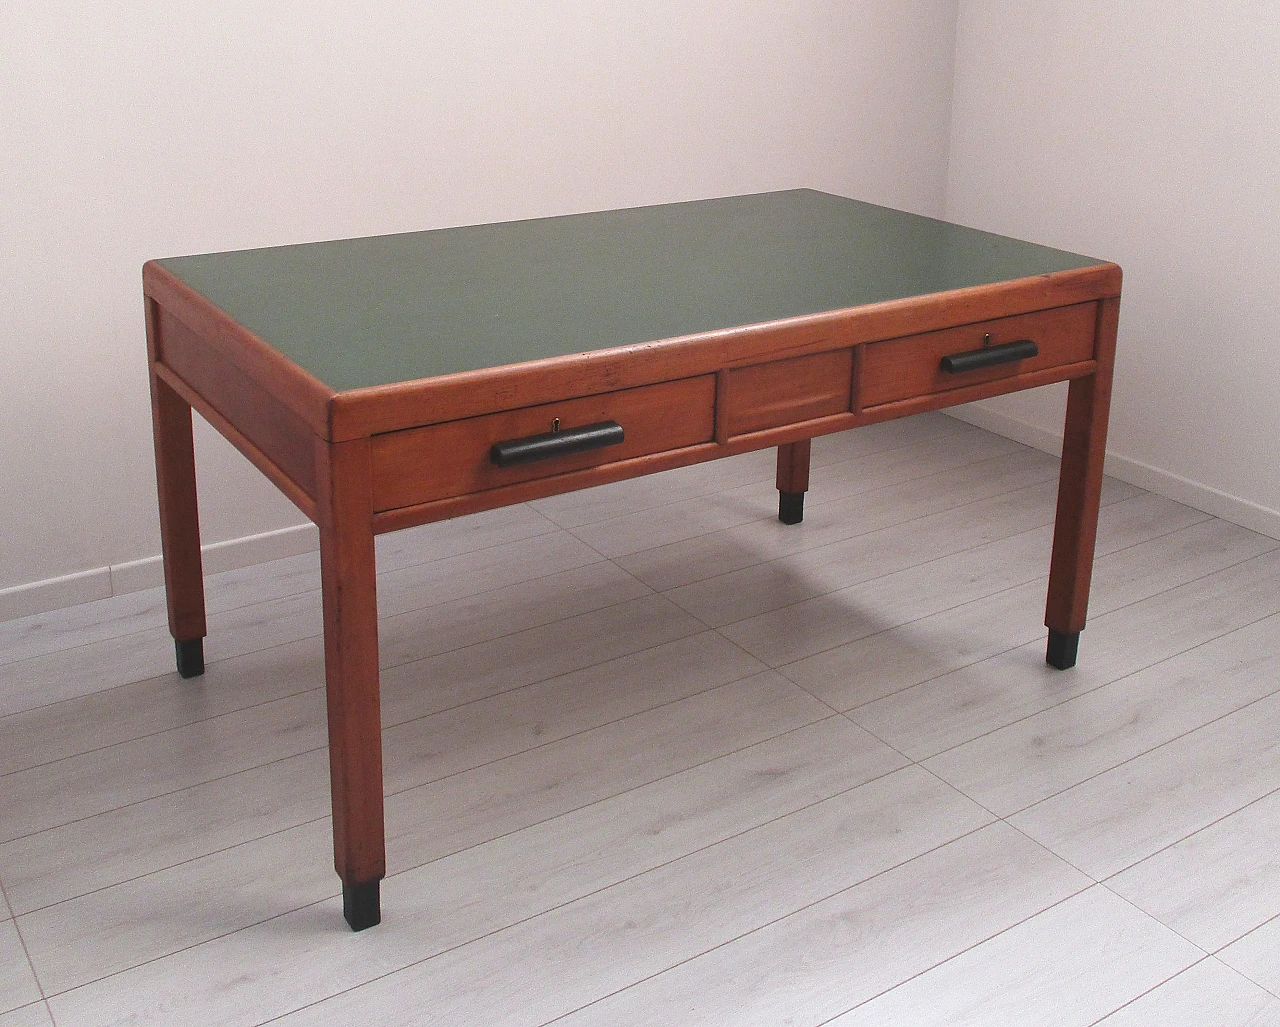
{"type": "Point", "coordinates": [147, 129]}
{"type": "Point", "coordinates": [1148, 133]}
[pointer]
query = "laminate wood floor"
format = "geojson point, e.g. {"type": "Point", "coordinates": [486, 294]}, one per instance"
{"type": "Point", "coordinates": [654, 758]}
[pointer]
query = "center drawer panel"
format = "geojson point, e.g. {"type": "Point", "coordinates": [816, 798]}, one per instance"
{"type": "Point", "coordinates": [441, 461]}
{"type": "Point", "coordinates": [788, 391]}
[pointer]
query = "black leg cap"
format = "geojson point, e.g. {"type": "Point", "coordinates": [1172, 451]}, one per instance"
{"type": "Point", "coordinates": [1062, 649]}
{"type": "Point", "coordinates": [360, 905]}
{"type": "Point", "coordinates": [190, 653]}
{"type": "Point", "coordinates": [791, 507]}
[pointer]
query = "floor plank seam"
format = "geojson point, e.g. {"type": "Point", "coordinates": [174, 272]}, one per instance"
{"type": "Point", "coordinates": [1257, 927]}
{"type": "Point", "coordinates": [1154, 987]}
{"type": "Point", "coordinates": [762, 519]}
{"type": "Point", "coordinates": [868, 534]}
{"type": "Point", "coordinates": [320, 748]}
{"type": "Point", "coordinates": [776, 920]}
{"type": "Point", "coordinates": [943, 781]}
{"type": "Point", "coordinates": [214, 609]}
{"type": "Point", "coordinates": [818, 503]}
{"type": "Point", "coordinates": [811, 695]}
{"type": "Point", "coordinates": [163, 795]}
{"type": "Point", "coordinates": [1205, 953]}
{"type": "Point", "coordinates": [576, 898]}
{"type": "Point", "coordinates": [642, 873]}
{"type": "Point", "coordinates": [1108, 683]}
{"type": "Point", "coordinates": [164, 730]}
{"type": "Point", "coordinates": [489, 641]}
{"type": "Point", "coordinates": [646, 784]}
{"type": "Point", "coordinates": [1235, 779]}
{"type": "Point", "coordinates": [381, 621]}
{"type": "Point", "coordinates": [882, 741]}
{"type": "Point", "coordinates": [562, 738]}
{"type": "Point", "coordinates": [315, 688]}
{"type": "Point", "coordinates": [482, 592]}
{"type": "Point", "coordinates": [767, 477]}
{"type": "Point", "coordinates": [806, 691]}
{"type": "Point", "coordinates": [1273, 992]}
{"type": "Point", "coordinates": [551, 529]}
{"type": "Point", "coordinates": [972, 464]}
{"type": "Point", "coordinates": [173, 866]}
{"type": "Point", "coordinates": [1154, 748]}
{"type": "Point", "coordinates": [1056, 855]}
{"type": "Point", "coordinates": [781, 668]}
{"type": "Point", "coordinates": [892, 627]}
{"type": "Point", "coordinates": [26, 951]}
{"type": "Point", "coordinates": [553, 526]}
{"type": "Point", "coordinates": [659, 507]}
{"type": "Point", "coordinates": [414, 787]}
{"type": "Point", "coordinates": [195, 945]}
{"type": "Point", "coordinates": [542, 681]}
{"type": "Point", "coordinates": [1191, 834]}
{"type": "Point", "coordinates": [955, 955]}
{"type": "Point", "coordinates": [888, 574]}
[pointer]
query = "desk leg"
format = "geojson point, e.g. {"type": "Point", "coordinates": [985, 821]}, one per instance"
{"type": "Point", "coordinates": [1079, 492]}
{"type": "Point", "coordinates": [179, 525]}
{"type": "Point", "coordinates": [349, 587]}
{"type": "Point", "coordinates": [793, 480]}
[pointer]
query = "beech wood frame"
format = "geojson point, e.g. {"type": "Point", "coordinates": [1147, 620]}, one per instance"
{"type": "Point", "coordinates": [314, 443]}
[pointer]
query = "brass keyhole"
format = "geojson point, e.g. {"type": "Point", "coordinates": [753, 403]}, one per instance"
{"type": "Point", "coordinates": [986, 339]}
{"type": "Point", "coordinates": [555, 425]}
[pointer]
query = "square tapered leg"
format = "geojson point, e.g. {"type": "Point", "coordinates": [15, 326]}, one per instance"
{"type": "Point", "coordinates": [1075, 528]}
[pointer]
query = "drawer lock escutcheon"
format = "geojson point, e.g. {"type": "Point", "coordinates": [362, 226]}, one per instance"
{"type": "Point", "coordinates": [556, 442]}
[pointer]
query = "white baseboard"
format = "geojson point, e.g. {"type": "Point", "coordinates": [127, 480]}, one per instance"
{"type": "Point", "coordinates": [103, 582]}
{"type": "Point", "coordinates": [1182, 490]}
{"type": "Point", "coordinates": [55, 593]}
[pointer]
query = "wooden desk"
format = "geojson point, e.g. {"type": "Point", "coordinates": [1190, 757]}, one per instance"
{"type": "Point", "coordinates": [387, 382]}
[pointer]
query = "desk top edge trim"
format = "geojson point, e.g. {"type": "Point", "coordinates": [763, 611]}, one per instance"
{"type": "Point", "coordinates": [381, 408]}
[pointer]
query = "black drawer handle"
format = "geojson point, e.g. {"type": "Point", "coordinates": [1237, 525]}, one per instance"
{"type": "Point", "coordinates": [989, 356]}
{"type": "Point", "coordinates": [556, 443]}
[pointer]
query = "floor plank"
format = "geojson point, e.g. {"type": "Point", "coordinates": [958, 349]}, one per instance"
{"type": "Point", "coordinates": [587, 949]}
{"type": "Point", "coordinates": [1257, 956]}
{"type": "Point", "coordinates": [1028, 761]}
{"type": "Point", "coordinates": [1110, 822]}
{"type": "Point", "coordinates": [132, 710]}
{"type": "Point", "coordinates": [1204, 994]}
{"type": "Point", "coordinates": [73, 727]}
{"type": "Point", "coordinates": [1065, 967]}
{"type": "Point", "coordinates": [817, 962]}
{"type": "Point", "coordinates": [122, 844]}
{"type": "Point", "coordinates": [517, 874]}
{"type": "Point", "coordinates": [1216, 885]}
{"type": "Point", "coordinates": [957, 707]}
{"type": "Point", "coordinates": [18, 985]}
{"type": "Point", "coordinates": [675, 564]}
{"type": "Point", "coordinates": [35, 1015]}
{"type": "Point", "coordinates": [897, 658]}
{"type": "Point", "coordinates": [62, 656]}
{"type": "Point", "coordinates": [728, 598]}
{"type": "Point", "coordinates": [619, 499]}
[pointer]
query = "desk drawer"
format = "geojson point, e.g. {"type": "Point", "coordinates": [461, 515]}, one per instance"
{"type": "Point", "coordinates": [904, 368]}
{"type": "Point", "coordinates": [440, 461]}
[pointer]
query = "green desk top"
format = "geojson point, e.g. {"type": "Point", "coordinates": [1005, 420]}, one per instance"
{"type": "Point", "coordinates": [393, 308]}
